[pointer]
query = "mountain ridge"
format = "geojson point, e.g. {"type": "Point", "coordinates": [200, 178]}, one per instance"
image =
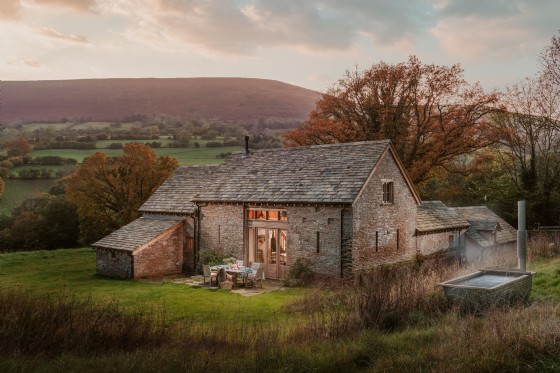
{"type": "Point", "coordinates": [227, 99]}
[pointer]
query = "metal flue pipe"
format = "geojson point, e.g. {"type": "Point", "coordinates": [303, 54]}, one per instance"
{"type": "Point", "coordinates": [521, 236]}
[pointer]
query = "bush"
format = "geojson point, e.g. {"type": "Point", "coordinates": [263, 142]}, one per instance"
{"type": "Point", "coordinates": [16, 161]}
{"type": "Point", "coordinates": [214, 144]}
{"type": "Point", "coordinates": [53, 159]}
{"type": "Point", "coordinates": [223, 155]}
{"type": "Point", "coordinates": [6, 164]}
{"type": "Point", "coordinates": [301, 273]}
{"type": "Point", "coordinates": [115, 145]}
{"type": "Point", "coordinates": [232, 142]}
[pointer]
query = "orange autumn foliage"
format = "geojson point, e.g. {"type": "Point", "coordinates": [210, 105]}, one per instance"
{"type": "Point", "coordinates": [111, 189]}
{"type": "Point", "coordinates": [429, 112]}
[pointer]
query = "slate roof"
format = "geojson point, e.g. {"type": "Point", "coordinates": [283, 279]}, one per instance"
{"type": "Point", "coordinates": [333, 173]}
{"type": "Point", "coordinates": [136, 234]}
{"type": "Point", "coordinates": [483, 218]}
{"type": "Point", "coordinates": [435, 216]}
{"type": "Point", "coordinates": [175, 194]}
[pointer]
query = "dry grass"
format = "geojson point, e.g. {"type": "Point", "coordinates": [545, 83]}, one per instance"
{"type": "Point", "coordinates": [395, 320]}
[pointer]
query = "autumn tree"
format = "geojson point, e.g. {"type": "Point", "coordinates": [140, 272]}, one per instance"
{"type": "Point", "coordinates": [429, 112]}
{"type": "Point", "coordinates": [17, 147]}
{"type": "Point", "coordinates": [109, 190]}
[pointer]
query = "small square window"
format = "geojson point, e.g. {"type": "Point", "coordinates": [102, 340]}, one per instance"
{"type": "Point", "coordinates": [388, 192]}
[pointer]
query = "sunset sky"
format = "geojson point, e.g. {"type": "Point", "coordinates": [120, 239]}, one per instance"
{"type": "Point", "coordinates": [309, 43]}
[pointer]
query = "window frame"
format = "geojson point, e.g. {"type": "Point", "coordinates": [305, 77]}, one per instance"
{"type": "Point", "coordinates": [388, 192]}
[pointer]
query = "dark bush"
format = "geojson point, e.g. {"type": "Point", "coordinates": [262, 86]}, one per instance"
{"type": "Point", "coordinates": [115, 145]}
{"type": "Point", "coordinates": [214, 144]}
{"type": "Point", "coordinates": [300, 274]}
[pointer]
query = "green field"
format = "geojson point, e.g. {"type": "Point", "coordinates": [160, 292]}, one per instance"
{"type": "Point", "coordinates": [185, 156]}
{"type": "Point", "coordinates": [17, 190]}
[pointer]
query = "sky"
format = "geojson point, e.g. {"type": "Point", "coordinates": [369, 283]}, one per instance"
{"type": "Point", "coordinates": [309, 43]}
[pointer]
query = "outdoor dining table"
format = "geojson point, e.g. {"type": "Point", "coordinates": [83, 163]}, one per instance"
{"type": "Point", "coordinates": [242, 272]}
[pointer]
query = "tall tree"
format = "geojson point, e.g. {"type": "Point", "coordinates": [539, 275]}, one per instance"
{"type": "Point", "coordinates": [550, 60]}
{"type": "Point", "coordinates": [429, 112]}
{"type": "Point", "coordinates": [530, 137]}
{"type": "Point", "coordinates": [109, 190]}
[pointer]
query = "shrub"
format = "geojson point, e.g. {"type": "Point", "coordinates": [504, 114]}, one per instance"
{"type": "Point", "coordinates": [232, 142]}
{"type": "Point", "coordinates": [115, 145]}
{"type": "Point", "coordinates": [53, 159]}
{"type": "Point", "coordinates": [301, 273]}
{"type": "Point", "coordinates": [213, 144]}
{"type": "Point", "coordinates": [6, 164]}
{"type": "Point", "coordinates": [223, 155]}
{"type": "Point", "coordinates": [16, 161]}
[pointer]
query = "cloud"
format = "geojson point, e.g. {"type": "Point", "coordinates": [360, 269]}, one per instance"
{"type": "Point", "coordinates": [22, 61]}
{"type": "Point", "coordinates": [245, 27]}
{"type": "Point", "coordinates": [79, 5]}
{"type": "Point", "coordinates": [57, 35]}
{"type": "Point", "coordinates": [479, 29]}
{"type": "Point", "coordinates": [9, 10]}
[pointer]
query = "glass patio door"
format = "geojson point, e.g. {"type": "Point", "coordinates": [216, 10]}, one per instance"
{"type": "Point", "coordinates": [269, 247]}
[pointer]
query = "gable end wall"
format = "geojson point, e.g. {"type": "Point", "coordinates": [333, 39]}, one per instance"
{"type": "Point", "coordinates": [161, 257]}
{"type": "Point", "coordinates": [370, 215]}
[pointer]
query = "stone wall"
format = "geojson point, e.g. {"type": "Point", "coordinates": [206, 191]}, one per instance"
{"type": "Point", "coordinates": [303, 225]}
{"type": "Point", "coordinates": [113, 263]}
{"type": "Point", "coordinates": [221, 228]}
{"type": "Point", "coordinates": [162, 256]}
{"type": "Point", "coordinates": [391, 225]}
{"type": "Point", "coordinates": [428, 244]}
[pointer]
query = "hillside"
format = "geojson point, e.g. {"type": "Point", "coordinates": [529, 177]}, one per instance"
{"type": "Point", "coordinates": [225, 99]}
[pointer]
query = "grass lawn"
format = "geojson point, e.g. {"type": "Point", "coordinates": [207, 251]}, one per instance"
{"type": "Point", "coordinates": [72, 271]}
{"type": "Point", "coordinates": [546, 283]}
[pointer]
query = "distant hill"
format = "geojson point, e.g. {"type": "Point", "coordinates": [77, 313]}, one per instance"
{"type": "Point", "coordinates": [225, 99]}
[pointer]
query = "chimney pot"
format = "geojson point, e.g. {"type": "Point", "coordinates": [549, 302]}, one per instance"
{"type": "Point", "coordinates": [247, 145]}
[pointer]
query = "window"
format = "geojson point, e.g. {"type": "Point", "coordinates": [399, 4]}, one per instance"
{"type": "Point", "coordinates": [387, 192]}
{"type": "Point", "coordinates": [267, 215]}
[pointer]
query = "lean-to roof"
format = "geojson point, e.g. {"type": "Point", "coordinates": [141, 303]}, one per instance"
{"type": "Point", "coordinates": [434, 216]}
{"type": "Point", "coordinates": [136, 234]}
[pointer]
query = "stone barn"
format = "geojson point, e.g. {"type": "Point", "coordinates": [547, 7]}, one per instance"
{"type": "Point", "coordinates": [344, 207]}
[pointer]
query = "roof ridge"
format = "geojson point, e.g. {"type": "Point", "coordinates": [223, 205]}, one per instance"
{"type": "Point", "coordinates": [305, 147]}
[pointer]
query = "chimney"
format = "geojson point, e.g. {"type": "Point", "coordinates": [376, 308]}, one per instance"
{"type": "Point", "coordinates": [247, 146]}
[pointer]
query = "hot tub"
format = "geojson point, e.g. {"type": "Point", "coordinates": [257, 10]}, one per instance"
{"type": "Point", "coordinates": [489, 287]}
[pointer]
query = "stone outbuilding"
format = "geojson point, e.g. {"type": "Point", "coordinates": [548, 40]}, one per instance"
{"type": "Point", "coordinates": [344, 207]}
{"type": "Point", "coordinates": [487, 235]}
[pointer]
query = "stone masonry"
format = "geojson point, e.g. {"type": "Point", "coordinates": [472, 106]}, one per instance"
{"type": "Point", "coordinates": [377, 221]}
{"type": "Point", "coordinates": [222, 229]}
{"type": "Point", "coordinates": [113, 263]}
{"type": "Point", "coordinates": [304, 223]}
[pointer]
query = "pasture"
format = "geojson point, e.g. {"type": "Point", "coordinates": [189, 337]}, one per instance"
{"type": "Point", "coordinates": [17, 190]}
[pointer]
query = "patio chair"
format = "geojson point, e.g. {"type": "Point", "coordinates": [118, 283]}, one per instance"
{"type": "Point", "coordinates": [240, 263]}
{"type": "Point", "coordinates": [223, 276]}
{"type": "Point", "coordinates": [207, 273]}
{"type": "Point", "coordinates": [255, 278]}
{"type": "Point", "coordinates": [256, 266]}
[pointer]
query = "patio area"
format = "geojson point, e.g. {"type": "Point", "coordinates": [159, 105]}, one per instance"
{"type": "Point", "coordinates": [198, 281]}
